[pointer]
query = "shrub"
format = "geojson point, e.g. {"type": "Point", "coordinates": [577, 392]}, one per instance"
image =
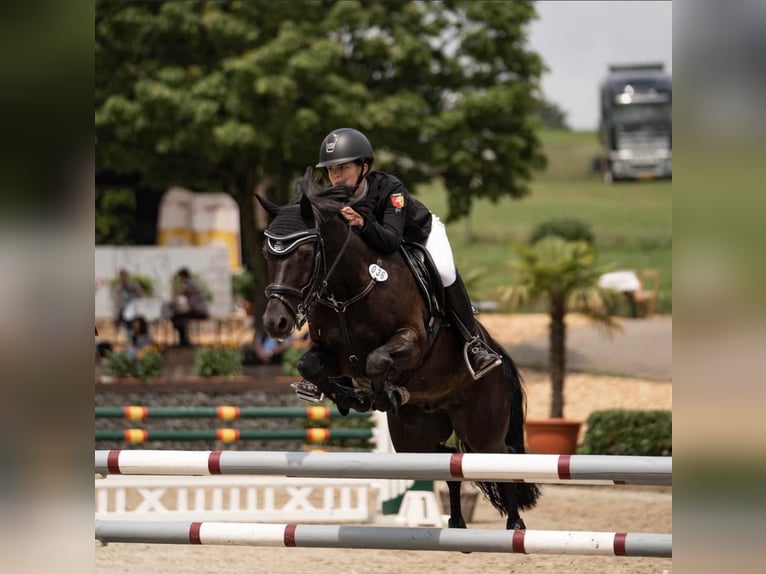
{"type": "Point", "coordinates": [625, 432]}
{"type": "Point", "coordinates": [120, 364]}
{"type": "Point", "coordinates": [566, 228]}
{"type": "Point", "coordinates": [243, 286]}
{"type": "Point", "coordinates": [218, 361]}
{"type": "Point", "coordinates": [147, 364]}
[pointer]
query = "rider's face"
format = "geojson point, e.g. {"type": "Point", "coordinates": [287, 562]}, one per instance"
{"type": "Point", "coordinates": [346, 173]}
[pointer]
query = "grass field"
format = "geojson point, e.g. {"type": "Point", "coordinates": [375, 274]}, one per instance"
{"type": "Point", "coordinates": [632, 221]}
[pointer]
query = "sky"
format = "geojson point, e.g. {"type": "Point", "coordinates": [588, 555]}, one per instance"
{"type": "Point", "coordinates": [577, 40]}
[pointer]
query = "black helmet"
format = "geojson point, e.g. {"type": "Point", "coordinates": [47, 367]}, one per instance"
{"type": "Point", "coordinates": [344, 145]}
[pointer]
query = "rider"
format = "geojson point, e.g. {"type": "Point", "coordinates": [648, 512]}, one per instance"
{"type": "Point", "coordinates": [347, 156]}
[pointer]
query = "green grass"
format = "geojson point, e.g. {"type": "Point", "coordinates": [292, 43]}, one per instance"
{"type": "Point", "coordinates": [632, 221]}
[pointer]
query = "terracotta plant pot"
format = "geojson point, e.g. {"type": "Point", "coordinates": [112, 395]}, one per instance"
{"type": "Point", "coordinates": [552, 436]}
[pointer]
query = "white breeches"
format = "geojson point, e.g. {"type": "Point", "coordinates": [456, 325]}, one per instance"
{"type": "Point", "coordinates": [439, 248]}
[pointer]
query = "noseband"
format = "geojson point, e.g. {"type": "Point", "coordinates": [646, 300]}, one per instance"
{"type": "Point", "coordinates": [308, 294]}
{"type": "Point", "coordinates": [281, 245]}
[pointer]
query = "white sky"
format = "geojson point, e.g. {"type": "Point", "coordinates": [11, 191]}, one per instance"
{"type": "Point", "coordinates": [577, 40]}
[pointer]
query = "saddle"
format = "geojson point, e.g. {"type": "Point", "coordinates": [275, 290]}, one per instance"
{"type": "Point", "coordinates": [429, 283]}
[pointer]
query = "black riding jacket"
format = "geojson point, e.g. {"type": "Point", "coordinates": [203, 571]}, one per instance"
{"type": "Point", "coordinates": [398, 216]}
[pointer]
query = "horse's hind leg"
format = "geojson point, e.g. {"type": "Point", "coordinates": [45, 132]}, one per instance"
{"type": "Point", "coordinates": [455, 505]}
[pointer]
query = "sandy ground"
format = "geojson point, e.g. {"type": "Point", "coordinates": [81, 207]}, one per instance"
{"type": "Point", "coordinates": [575, 508]}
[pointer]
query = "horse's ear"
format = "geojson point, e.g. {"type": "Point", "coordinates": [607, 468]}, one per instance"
{"type": "Point", "coordinates": [271, 208]}
{"type": "Point", "coordinates": [307, 211]}
{"type": "Point", "coordinates": [303, 184]}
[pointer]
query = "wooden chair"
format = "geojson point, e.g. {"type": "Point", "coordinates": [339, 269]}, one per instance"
{"type": "Point", "coordinates": [645, 300]}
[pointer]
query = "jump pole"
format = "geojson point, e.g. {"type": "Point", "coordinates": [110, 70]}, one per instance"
{"type": "Point", "coordinates": [137, 435]}
{"type": "Point", "coordinates": [537, 468]}
{"type": "Point", "coordinates": [389, 538]}
{"type": "Point", "coordinates": [222, 412]}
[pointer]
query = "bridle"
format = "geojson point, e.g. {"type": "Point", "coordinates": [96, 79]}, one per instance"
{"type": "Point", "coordinates": [281, 245]}
{"type": "Point", "coordinates": [316, 290]}
{"type": "Point", "coordinates": [312, 292]}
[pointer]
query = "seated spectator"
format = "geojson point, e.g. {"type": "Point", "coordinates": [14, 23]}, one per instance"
{"type": "Point", "coordinates": [124, 291]}
{"type": "Point", "coordinates": [140, 337]}
{"type": "Point", "coordinates": [264, 350]}
{"type": "Point", "coordinates": [188, 301]}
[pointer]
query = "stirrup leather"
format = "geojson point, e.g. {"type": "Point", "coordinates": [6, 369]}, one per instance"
{"type": "Point", "coordinates": [473, 347]}
{"type": "Point", "coordinates": [308, 392]}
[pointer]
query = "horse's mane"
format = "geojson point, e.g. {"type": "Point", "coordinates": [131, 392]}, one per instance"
{"type": "Point", "coordinates": [327, 201]}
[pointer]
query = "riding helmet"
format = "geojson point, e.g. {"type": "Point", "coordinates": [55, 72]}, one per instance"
{"type": "Point", "coordinates": [344, 145]}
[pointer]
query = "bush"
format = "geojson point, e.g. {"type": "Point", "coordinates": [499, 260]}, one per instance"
{"type": "Point", "coordinates": [218, 361]}
{"type": "Point", "coordinates": [568, 229]}
{"type": "Point", "coordinates": [624, 432]}
{"type": "Point", "coordinates": [147, 364]}
{"type": "Point", "coordinates": [243, 286]}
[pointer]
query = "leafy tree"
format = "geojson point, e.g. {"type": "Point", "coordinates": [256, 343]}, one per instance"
{"type": "Point", "coordinates": [552, 116]}
{"type": "Point", "coordinates": [565, 275]}
{"type": "Point", "coordinates": [236, 96]}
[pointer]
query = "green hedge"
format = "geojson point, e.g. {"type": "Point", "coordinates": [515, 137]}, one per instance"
{"type": "Point", "coordinates": [567, 228]}
{"type": "Point", "coordinates": [623, 432]}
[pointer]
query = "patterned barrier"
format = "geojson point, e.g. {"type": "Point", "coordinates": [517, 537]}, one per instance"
{"type": "Point", "coordinates": [538, 468]}
{"type": "Point", "coordinates": [390, 538]}
{"type": "Point", "coordinates": [136, 435]}
{"type": "Point", "coordinates": [222, 412]}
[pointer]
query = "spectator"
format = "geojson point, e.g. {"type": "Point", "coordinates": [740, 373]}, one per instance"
{"type": "Point", "coordinates": [140, 337]}
{"type": "Point", "coordinates": [124, 291]}
{"type": "Point", "coordinates": [188, 301]}
{"type": "Point", "coordinates": [264, 350]}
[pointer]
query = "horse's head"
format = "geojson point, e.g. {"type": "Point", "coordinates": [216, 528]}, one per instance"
{"type": "Point", "coordinates": [295, 252]}
{"type": "Point", "coordinates": [292, 264]}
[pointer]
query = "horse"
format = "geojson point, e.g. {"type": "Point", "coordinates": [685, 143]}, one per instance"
{"type": "Point", "coordinates": [370, 346]}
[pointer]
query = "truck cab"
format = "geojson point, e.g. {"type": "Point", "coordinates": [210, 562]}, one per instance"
{"type": "Point", "coordinates": [636, 123]}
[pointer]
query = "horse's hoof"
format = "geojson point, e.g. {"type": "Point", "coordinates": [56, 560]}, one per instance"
{"type": "Point", "coordinates": [517, 524]}
{"type": "Point", "coordinates": [342, 409]}
{"type": "Point", "coordinates": [456, 523]}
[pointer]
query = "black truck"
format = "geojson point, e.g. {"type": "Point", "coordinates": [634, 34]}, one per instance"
{"type": "Point", "coordinates": [636, 123]}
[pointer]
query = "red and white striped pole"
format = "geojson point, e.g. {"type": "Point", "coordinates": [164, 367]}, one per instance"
{"type": "Point", "coordinates": [385, 537]}
{"type": "Point", "coordinates": [537, 468]}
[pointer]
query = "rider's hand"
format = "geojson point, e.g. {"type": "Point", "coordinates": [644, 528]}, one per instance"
{"type": "Point", "coordinates": [353, 218]}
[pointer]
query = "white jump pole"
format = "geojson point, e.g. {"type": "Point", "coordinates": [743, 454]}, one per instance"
{"type": "Point", "coordinates": [537, 468]}
{"type": "Point", "coordinates": [391, 538]}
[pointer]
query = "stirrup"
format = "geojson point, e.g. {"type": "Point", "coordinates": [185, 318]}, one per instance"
{"type": "Point", "coordinates": [473, 346]}
{"type": "Point", "coordinates": [308, 391]}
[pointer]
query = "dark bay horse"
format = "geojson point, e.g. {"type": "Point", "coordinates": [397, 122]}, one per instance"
{"type": "Point", "coordinates": [370, 346]}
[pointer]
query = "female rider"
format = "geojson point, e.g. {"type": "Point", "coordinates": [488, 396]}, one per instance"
{"type": "Point", "coordinates": [347, 156]}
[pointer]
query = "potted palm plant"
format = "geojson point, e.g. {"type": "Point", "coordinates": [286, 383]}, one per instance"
{"type": "Point", "coordinates": [564, 275]}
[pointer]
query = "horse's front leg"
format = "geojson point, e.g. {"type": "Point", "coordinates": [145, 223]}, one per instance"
{"type": "Point", "coordinates": [403, 351]}
{"type": "Point", "coordinates": [314, 366]}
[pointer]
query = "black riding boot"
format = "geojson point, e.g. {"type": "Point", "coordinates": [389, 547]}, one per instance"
{"type": "Point", "coordinates": [479, 358]}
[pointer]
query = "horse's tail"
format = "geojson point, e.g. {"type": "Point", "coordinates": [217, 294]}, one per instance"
{"type": "Point", "coordinates": [526, 493]}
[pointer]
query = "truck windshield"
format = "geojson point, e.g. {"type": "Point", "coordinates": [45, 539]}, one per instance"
{"type": "Point", "coordinates": [659, 113]}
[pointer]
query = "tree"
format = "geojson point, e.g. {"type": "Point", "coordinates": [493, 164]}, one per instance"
{"type": "Point", "coordinates": [552, 116]}
{"type": "Point", "coordinates": [565, 275]}
{"type": "Point", "coordinates": [230, 96]}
